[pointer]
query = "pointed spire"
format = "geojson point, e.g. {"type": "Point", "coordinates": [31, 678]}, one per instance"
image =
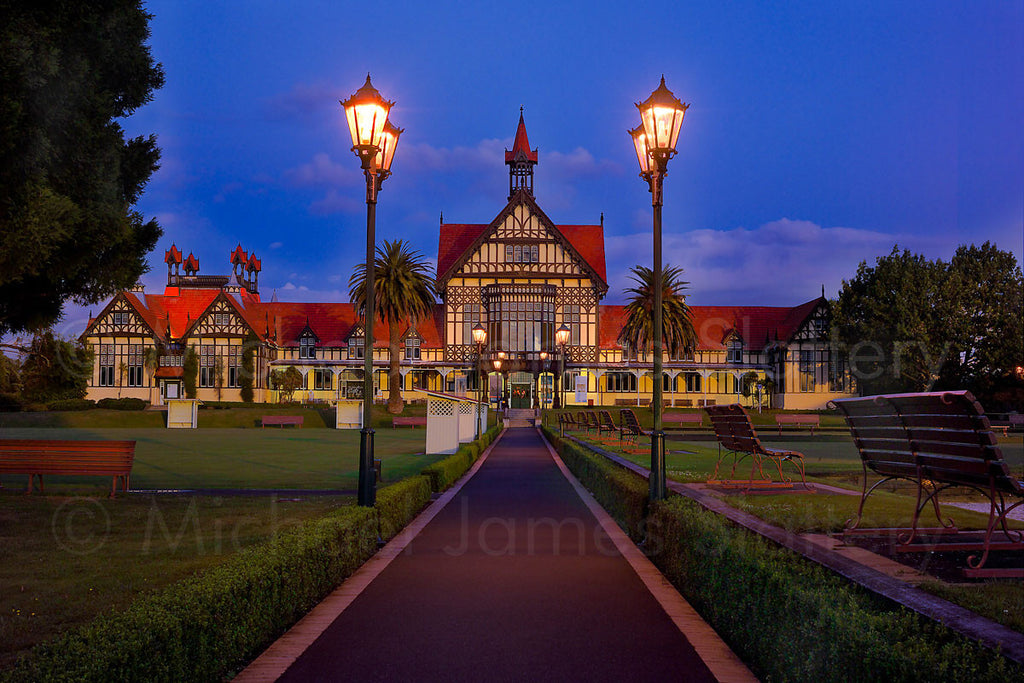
{"type": "Point", "coordinates": [521, 145]}
{"type": "Point", "coordinates": [520, 161]}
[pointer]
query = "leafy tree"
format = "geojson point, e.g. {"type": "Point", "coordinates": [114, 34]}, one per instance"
{"type": "Point", "coordinates": [69, 180]}
{"type": "Point", "coordinates": [55, 368]}
{"type": "Point", "coordinates": [151, 361]}
{"type": "Point", "coordinates": [10, 376]}
{"type": "Point", "coordinates": [286, 381]}
{"type": "Point", "coordinates": [190, 371]}
{"type": "Point", "coordinates": [909, 324]}
{"type": "Point", "coordinates": [886, 319]}
{"type": "Point", "coordinates": [678, 335]}
{"type": "Point", "coordinates": [218, 375]}
{"type": "Point", "coordinates": [248, 367]}
{"type": "Point", "coordinates": [982, 312]}
{"type": "Point", "coordinates": [757, 386]}
{"type": "Point", "coordinates": [403, 290]}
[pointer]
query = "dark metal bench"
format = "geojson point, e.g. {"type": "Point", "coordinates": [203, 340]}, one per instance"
{"type": "Point", "coordinates": [736, 435]}
{"type": "Point", "coordinates": [93, 458]}
{"type": "Point", "coordinates": [605, 424]}
{"type": "Point", "coordinates": [281, 420]}
{"type": "Point", "coordinates": [936, 441]}
{"type": "Point", "coordinates": [629, 429]}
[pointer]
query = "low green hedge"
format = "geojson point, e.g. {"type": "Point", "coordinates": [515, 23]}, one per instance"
{"type": "Point", "coordinates": [791, 619]}
{"type": "Point", "coordinates": [447, 471]}
{"type": "Point", "coordinates": [620, 492]}
{"type": "Point", "coordinates": [398, 503]}
{"type": "Point", "coordinates": [121, 403]}
{"type": "Point", "coordinates": [786, 617]}
{"type": "Point", "coordinates": [71, 404]}
{"type": "Point", "coordinates": [209, 626]}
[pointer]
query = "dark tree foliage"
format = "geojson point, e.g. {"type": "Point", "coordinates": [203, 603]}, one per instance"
{"type": "Point", "coordinates": [248, 367]}
{"type": "Point", "coordinates": [69, 179]}
{"type": "Point", "coordinates": [190, 372]}
{"type": "Point", "coordinates": [677, 333]}
{"type": "Point", "coordinates": [909, 324]}
{"type": "Point", "coordinates": [286, 381]}
{"type": "Point", "coordinates": [55, 369]}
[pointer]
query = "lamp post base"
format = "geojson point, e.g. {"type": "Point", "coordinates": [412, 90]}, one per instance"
{"type": "Point", "coordinates": [657, 479]}
{"type": "Point", "coordinates": [367, 494]}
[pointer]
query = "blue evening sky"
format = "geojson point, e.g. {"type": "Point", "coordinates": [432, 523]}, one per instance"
{"type": "Point", "coordinates": [819, 133]}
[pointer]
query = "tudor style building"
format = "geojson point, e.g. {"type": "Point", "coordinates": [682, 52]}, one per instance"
{"type": "Point", "coordinates": [520, 276]}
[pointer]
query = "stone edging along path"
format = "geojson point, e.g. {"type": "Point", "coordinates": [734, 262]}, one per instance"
{"type": "Point", "coordinates": [965, 622]}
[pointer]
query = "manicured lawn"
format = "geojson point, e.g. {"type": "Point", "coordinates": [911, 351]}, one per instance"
{"type": "Point", "coordinates": [63, 560]}
{"type": "Point", "coordinates": [68, 555]}
{"type": "Point", "coordinates": [241, 458]}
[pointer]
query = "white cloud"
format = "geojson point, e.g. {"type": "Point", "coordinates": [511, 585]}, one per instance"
{"type": "Point", "coordinates": [321, 171]}
{"type": "Point", "coordinates": [780, 263]}
{"type": "Point", "coordinates": [333, 202]}
{"type": "Point", "coordinates": [276, 245]}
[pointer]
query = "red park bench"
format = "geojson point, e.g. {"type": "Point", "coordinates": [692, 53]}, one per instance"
{"type": "Point", "coordinates": [409, 421]}
{"type": "Point", "coordinates": [811, 420]}
{"type": "Point", "coordinates": [91, 458]}
{"type": "Point", "coordinates": [281, 420]}
{"type": "Point", "coordinates": [681, 419]}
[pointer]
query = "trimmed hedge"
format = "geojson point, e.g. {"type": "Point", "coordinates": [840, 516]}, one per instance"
{"type": "Point", "coordinates": [447, 471]}
{"type": "Point", "coordinates": [71, 404]}
{"type": "Point", "coordinates": [121, 403]}
{"type": "Point", "coordinates": [792, 619]}
{"type": "Point", "coordinates": [398, 503]}
{"type": "Point", "coordinates": [620, 492]}
{"type": "Point", "coordinates": [786, 617]}
{"type": "Point", "coordinates": [209, 626]}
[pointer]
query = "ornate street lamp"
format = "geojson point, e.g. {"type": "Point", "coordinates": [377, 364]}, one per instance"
{"type": "Point", "coordinates": [561, 339]}
{"type": "Point", "coordinates": [654, 140]}
{"type": "Point", "coordinates": [480, 338]}
{"type": "Point", "coordinates": [374, 140]}
{"type": "Point", "coordinates": [497, 362]}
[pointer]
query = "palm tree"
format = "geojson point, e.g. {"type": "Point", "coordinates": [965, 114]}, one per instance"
{"type": "Point", "coordinates": [677, 333]}
{"type": "Point", "coordinates": [403, 290]}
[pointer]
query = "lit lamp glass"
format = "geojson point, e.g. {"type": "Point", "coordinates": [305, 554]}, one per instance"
{"type": "Point", "coordinates": [562, 335]}
{"type": "Point", "coordinates": [367, 114]}
{"type": "Point", "coordinates": [662, 115]}
{"type": "Point", "coordinates": [386, 151]}
{"type": "Point", "coordinates": [479, 334]}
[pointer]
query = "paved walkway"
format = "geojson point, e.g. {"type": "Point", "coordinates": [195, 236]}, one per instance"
{"type": "Point", "coordinates": [515, 578]}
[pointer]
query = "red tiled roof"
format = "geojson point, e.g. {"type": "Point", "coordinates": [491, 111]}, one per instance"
{"type": "Point", "coordinates": [238, 255]}
{"type": "Point", "coordinates": [191, 264]}
{"type": "Point", "coordinates": [455, 239]}
{"type": "Point", "coordinates": [332, 323]}
{"type": "Point", "coordinates": [172, 255]}
{"type": "Point", "coordinates": [521, 145]}
{"type": "Point", "coordinates": [757, 326]}
{"type": "Point", "coordinates": [181, 310]}
{"type": "Point", "coordinates": [588, 240]}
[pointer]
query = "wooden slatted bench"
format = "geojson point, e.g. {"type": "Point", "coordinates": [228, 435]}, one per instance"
{"type": "Point", "coordinates": [682, 419]}
{"type": "Point", "coordinates": [90, 458]}
{"type": "Point", "coordinates": [409, 421]}
{"type": "Point", "coordinates": [736, 435]}
{"type": "Point", "coordinates": [281, 420]}
{"type": "Point", "coordinates": [936, 441]}
{"type": "Point", "coordinates": [811, 420]}
{"type": "Point", "coordinates": [567, 421]}
{"type": "Point", "coordinates": [605, 424]}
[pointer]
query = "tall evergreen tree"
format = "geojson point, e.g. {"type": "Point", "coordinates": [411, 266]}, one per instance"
{"type": "Point", "coordinates": [678, 335]}
{"type": "Point", "coordinates": [403, 290]}
{"type": "Point", "coordinates": [69, 179]}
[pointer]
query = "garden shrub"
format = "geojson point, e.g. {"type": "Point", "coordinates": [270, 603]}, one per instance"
{"type": "Point", "coordinates": [398, 503]}
{"type": "Point", "coordinates": [71, 404]}
{"type": "Point", "coordinates": [121, 403]}
{"type": "Point", "coordinates": [620, 492]}
{"type": "Point", "coordinates": [786, 617]}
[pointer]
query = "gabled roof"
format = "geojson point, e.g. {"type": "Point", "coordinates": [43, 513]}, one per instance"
{"type": "Point", "coordinates": [756, 326]}
{"type": "Point", "coordinates": [459, 241]}
{"type": "Point", "coordinates": [148, 319]}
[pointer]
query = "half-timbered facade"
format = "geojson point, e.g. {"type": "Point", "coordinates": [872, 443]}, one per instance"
{"type": "Point", "coordinates": [520, 276]}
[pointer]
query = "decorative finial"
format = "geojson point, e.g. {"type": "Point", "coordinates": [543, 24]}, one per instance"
{"type": "Point", "coordinates": [520, 110]}
{"type": "Point", "coordinates": [602, 219]}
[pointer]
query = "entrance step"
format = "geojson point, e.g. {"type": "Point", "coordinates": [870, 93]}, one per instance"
{"type": "Point", "coordinates": [521, 417]}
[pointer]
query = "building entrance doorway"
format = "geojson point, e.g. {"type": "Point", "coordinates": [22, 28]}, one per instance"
{"type": "Point", "coordinates": [521, 390]}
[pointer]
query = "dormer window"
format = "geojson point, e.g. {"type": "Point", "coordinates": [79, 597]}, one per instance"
{"type": "Point", "coordinates": [307, 347]}
{"type": "Point", "coordinates": [356, 348]}
{"type": "Point", "coordinates": [121, 317]}
{"type": "Point", "coordinates": [522, 253]}
{"type": "Point", "coordinates": [412, 348]}
{"type": "Point", "coordinates": [734, 351]}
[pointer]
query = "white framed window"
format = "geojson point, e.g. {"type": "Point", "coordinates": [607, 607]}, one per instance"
{"type": "Point", "coordinates": [356, 349]}
{"type": "Point", "coordinates": [322, 379]}
{"type": "Point", "coordinates": [734, 352]}
{"type": "Point", "coordinates": [234, 366]}
{"type": "Point", "coordinates": [307, 348]}
{"type": "Point", "coordinates": [412, 348]}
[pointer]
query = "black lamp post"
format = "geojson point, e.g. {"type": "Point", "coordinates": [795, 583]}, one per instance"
{"type": "Point", "coordinates": [374, 139]}
{"type": "Point", "coordinates": [480, 337]}
{"type": "Point", "coordinates": [655, 142]}
{"type": "Point", "coordinates": [561, 339]}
